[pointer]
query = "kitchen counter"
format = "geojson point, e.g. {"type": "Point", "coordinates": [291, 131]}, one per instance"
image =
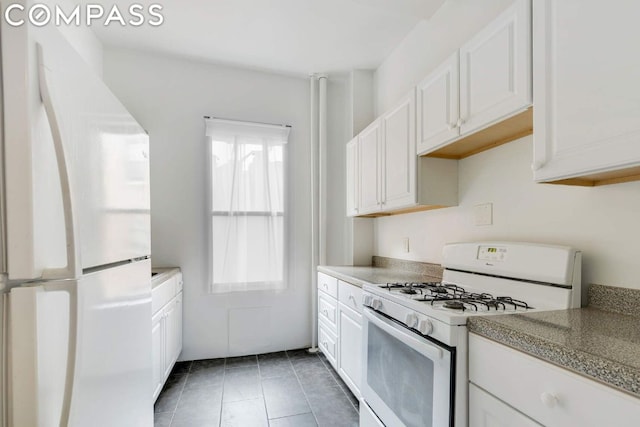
{"type": "Point", "coordinates": [594, 342]}
{"type": "Point", "coordinates": [374, 275]}
{"type": "Point", "coordinates": [163, 274]}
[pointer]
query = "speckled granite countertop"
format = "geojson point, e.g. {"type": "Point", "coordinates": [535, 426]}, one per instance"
{"type": "Point", "coordinates": [594, 342]}
{"type": "Point", "coordinates": [385, 270]}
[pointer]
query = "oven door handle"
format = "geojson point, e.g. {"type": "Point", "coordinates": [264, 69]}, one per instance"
{"type": "Point", "coordinates": [401, 334]}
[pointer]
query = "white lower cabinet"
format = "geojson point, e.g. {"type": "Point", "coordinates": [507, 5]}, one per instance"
{"type": "Point", "coordinates": [350, 363]}
{"type": "Point", "coordinates": [511, 388]}
{"type": "Point", "coordinates": [166, 329]}
{"type": "Point", "coordinates": [340, 334]}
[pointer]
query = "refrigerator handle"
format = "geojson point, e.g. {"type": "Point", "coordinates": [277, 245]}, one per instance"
{"type": "Point", "coordinates": [70, 271]}
{"type": "Point", "coordinates": [32, 359]}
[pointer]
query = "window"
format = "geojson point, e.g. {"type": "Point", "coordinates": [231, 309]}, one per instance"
{"type": "Point", "coordinates": [247, 195]}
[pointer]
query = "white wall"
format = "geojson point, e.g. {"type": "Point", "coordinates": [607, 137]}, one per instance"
{"type": "Point", "coordinates": [601, 221]}
{"type": "Point", "coordinates": [170, 97]}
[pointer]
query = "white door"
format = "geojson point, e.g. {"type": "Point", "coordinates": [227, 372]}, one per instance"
{"type": "Point", "coordinates": [487, 411]}
{"type": "Point", "coordinates": [158, 351]}
{"type": "Point", "coordinates": [67, 135]}
{"type": "Point", "coordinates": [495, 69]}
{"type": "Point", "coordinates": [587, 95]}
{"type": "Point", "coordinates": [369, 171]}
{"type": "Point", "coordinates": [114, 348]}
{"type": "Point", "coordinates": [438, 106]}
{"type": "Point", "coordinates": [350, 336]}
{"type": "Point", "coordinates": [351, 177]}
{"type": "Point", "coordinates": [399, 154]}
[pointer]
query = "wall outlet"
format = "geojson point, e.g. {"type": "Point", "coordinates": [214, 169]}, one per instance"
{"type": "Point", "coordinates": [405, 245]}
{"type": "Point", "coordinates": [483, 214]}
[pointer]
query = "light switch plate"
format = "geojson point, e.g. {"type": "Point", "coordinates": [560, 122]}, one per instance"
{"type": "Point", "coordinates": [483, 214]}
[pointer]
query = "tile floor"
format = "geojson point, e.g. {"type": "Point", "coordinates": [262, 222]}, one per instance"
{"type": "Point", "coordinates": [284, 389]}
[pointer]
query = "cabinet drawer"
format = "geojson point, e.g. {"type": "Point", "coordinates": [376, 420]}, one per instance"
{"type": "Point", "coordinates": [328, 310]}
{"type": "Point", "coordinates": [550, 395]}
{"type": "Point", "coordinates": [484, 409]}
{"type": "Point", "coordinates": [350, 295]}
{"type": "Point", "coordinates": [328, 284]}
{"type": "Point", "coordinates": [163, 293]}
{"type": "Point", "coordinates": [328, 343]}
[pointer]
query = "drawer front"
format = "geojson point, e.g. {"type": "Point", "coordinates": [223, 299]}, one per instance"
{"type": "Point", "coordinates": [163, 293]}
{"type": "Point", "coordinates": [328, 343]}
{"type": "Point", "coordinates": [328, 310]}
{"type": "Point", "coordinates": [179, 283]}
{"type": "Point", "coordinates": [550, 395]}
{"type": "Point", "coordinates": [485, 410]}
{"type": "Point", "coordinates": [328, 284]}
{"type": "Point", "coordinates": [350, 295]}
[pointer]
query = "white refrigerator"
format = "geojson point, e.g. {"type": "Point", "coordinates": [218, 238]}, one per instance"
{"type": "Point", "coordinates": [74, 242]}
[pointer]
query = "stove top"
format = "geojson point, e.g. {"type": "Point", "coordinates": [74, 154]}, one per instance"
{"type": "Point", "coordinates": [454, 297]}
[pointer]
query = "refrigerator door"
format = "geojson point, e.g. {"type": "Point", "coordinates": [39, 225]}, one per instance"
{"type": "Point", "coordinates": [91, 364]}
{"type": "Point", "coordinates": [67, 135]}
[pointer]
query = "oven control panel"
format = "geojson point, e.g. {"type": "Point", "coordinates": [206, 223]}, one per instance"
{"type": "Point", "coordinates": [492, 253]}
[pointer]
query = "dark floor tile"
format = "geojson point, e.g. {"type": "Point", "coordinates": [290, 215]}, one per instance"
{"type": "Point", "coordinates": [242, 384]}
{"type": "Point", "coordinates": [199, 403]}
{"type": "Point", "coordinates": [308, 365]}
{"type": "Point", "coordinates": [206, 364]}
{"type": "Point", "coordinates": [205, 377]}
{"type": "Point", "coordinates": [162, 419]}
{"type": "Point", "coordinates": [284, 397]}
{"type": "Point", "coordinates": [276, 368]}
{"type": "Point", "coordinates": [197, 422]}
{"type": "Point", "coordinates": [304, 420]}
{"type": "Point", "coordinates": [248, 413]}
{"type": "Point", "coordinates": [279, 355]}
{"type": "Point", "coordinates": [241, 361]}
{"type": "Point", "coordinates": [316, 379]}
{"type": "Point", "coordinates": [181, 368]}
{"type": "Point", "coordinates": [332, 408]}
{"type": "Point", "coordinates": [300, 353]}
{"type": "Point", "coordinates": [168, 397]}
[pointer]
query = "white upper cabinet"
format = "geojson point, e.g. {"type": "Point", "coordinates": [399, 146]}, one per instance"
{"type": "Point", "coordinates": [352, 177]}
{"type": "Point", "coordinates": [399, 154]}
{"type": "Point", "coordinates": [369, 171]}
{"type": "Point", "coordinates": [438, 108]}
{"type": "Point", "coordinates": [587, 126]}
{"type": "Point", "coordinates": [495, 69]}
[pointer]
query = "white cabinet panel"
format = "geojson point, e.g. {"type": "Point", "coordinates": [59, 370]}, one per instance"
{"type": "Point", "coordinates": [352, 177]}
{"type": "Point", "coordinates": [495, 69]}
{"type": "Point", "coordinates": [328, 310]}
{"type": "Point", "coordinates": [350, 295]}
{"type": "Point", "coordinates": [438, 106]}
{"type": "Point", "coordinates": [369, 168]}
{"type": "Point", "coordinates": [157, 350]}
{"type": "Point", "coordinates": [328, 284]}
{"type": "Point", "coordinates": [544, 392]}
{"type": "Point", "coordinates": [487, 411]}
{"type": "Point", "coordinates": [350, 337]}
{"type": "Point", "coordinates": [328, 342]}
{"type": "Point", "coordinates": [399, 155]}
{"type": "Point", "coordinates": [586, 117]}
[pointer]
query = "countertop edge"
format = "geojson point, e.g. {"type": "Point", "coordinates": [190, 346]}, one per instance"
{"type": "Point", "coordinates": [605, 371]}
{"type": "Point", "coordinates": [163, 274]}
{"type": "Point", "coordinates": [344, 277]}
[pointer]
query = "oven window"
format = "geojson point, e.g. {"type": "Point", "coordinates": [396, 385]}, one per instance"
{"type": "Point", "coordinates": [401, 377]}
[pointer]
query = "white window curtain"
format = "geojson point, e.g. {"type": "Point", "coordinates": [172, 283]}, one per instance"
{"type": "Point", "coordinates": [247, 205]}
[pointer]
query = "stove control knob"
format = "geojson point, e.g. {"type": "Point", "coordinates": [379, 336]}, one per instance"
{"type": "Point", "coordinates": [425, 327]}
{"type": "Point", "coordinates": [367, 300]}
{"type": "Point", "coordinates": [411, 320]}
{"type": "Point", "coordinates": [376, 304]}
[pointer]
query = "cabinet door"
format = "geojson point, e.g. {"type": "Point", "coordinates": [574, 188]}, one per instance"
{"type": "Point", "coordinates": [495, 69]}
{"type": "Point", "coordinates": [157, 351]}
{"type": "Point", "coordinates": [399, 155]}
{"type": "Point", "coordinates": [487, 411]}
{"type": "Point", "coordinates": [351, 177]}
{"type": "Point", "coordinates": [438, 106]}
{"type": "Point", "coordinates": [174, 331]}
{"type": "Point", "coordinates": [369, 170]}
{"type": "Point", "coordinates": [587, 95]}
{"type": "Point", "coordinates": [350, 338]}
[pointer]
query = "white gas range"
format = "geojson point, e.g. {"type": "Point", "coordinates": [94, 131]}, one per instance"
{"type": "Point", "coordinates": [415, 335]}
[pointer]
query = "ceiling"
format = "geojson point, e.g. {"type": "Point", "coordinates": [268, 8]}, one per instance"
{"type": "Point", "coordinates": [288, 36]}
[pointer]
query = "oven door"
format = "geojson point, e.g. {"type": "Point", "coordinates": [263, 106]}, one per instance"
{"type": "Point", "coordinates": [407, 379]}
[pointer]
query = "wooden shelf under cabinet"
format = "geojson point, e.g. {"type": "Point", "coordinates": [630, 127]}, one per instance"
{"type": "Point", "coordinates": [507, 130]}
